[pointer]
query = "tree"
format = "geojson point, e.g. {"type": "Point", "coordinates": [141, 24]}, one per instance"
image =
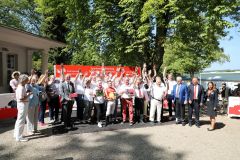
{"type": "Point", "coordinates": [53, 26]}
{"type": "Point", "coordinates": [197, 25]}
{"type": "Point", "coordinates": [183, 58]}
{"type": "Point", "coordinates": [20, 14]}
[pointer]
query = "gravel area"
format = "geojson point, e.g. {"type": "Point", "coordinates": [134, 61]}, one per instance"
{"type": "Point", "coordinates": [143, 141]}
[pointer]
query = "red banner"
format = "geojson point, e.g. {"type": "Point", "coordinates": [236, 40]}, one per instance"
{"type": "Point", "coordinates": [234, 106]}
{"type": "Point", "coordinates": [74, 69]}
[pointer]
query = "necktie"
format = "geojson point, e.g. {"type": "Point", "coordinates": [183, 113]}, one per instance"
{"type": "Point", "coordinates": [195, 93]}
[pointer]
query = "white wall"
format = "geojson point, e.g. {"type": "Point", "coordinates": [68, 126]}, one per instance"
{"type": "Point", "coordinates": [24, 61]}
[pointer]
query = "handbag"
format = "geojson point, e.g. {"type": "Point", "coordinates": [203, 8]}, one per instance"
{"type": "Point", "coordinates": [42, 96]}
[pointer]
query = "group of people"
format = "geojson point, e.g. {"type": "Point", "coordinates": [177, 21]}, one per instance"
{"type": "Point", "coordinates": [98, 96]}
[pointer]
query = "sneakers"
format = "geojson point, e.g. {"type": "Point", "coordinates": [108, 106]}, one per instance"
{"type": "Point", "coordinates": [123, 122]}
{"type": "Point", "coordinates": [131, 123]}
{"type": "Point", "coordinates": [100, 124]}
{"type": "Point", "coordinates": [22, 139]}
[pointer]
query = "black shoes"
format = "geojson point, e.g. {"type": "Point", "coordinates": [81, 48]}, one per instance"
{"type": "Point", "coordinates": [178, 122]}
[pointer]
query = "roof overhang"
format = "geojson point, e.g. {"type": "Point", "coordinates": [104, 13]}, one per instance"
{"type": "Point", "coordinates": [26, 39]}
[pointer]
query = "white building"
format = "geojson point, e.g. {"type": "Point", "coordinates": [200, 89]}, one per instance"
{"type": "Point", "coordinates": [16, 49]}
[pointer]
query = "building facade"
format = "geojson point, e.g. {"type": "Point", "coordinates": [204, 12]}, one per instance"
{"type": "Point", "coordinates": [16, 49]}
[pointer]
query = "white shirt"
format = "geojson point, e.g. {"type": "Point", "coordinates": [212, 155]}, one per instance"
{"type": "Point", "coordinates": [124, 88]}
{"type": "Point", "coordinates": [13, 83]}
{"type": "Point", "coordinates": [170, 85]}
{"type": "Point", "coordinates": [142, 92]}
{"type": "Point", "coordinates": [177, 90]}
{"type": "Point", "coordinates": [158, 91]}
{"type": "Point", "coordinates": [79, 87]}
{"type": "Point", "coordinates": [98, 99]}
{"type": "Point", "coordinates": [197, 86]}
{"type": "Point", "coordinates": [88, 94]}
{"type": "Point", "coordinates": [20, 93]}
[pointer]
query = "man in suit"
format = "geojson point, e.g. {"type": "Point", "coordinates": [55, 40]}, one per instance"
{"type": "Point", "coordinates": [180, 96]}
{"type": "Point", "coordinates": [195, 95]}
{"type": "Point", "coordinates": [66, 89]}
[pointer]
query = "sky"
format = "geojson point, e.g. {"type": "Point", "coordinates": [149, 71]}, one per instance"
{"type": "Point", "coordinates": [232, 48]}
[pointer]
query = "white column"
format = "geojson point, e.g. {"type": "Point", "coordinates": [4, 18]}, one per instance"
{"type": "Point", "coordinates": [29, 60]}
{"type": "Point", "coordinates": [44, 60]}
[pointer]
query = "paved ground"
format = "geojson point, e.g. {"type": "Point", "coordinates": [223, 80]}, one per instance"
{"type": "Point", "coordinates": [143, 141]}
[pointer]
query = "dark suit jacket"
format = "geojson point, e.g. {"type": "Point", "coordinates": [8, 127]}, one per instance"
{"type": "Point", "coordinates": [200, 93]}
{"type": "Point", "coordinates": [213, 98]}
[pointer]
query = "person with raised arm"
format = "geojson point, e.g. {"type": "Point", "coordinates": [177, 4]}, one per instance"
{"type": "Point", "coordinates": [42, 83]}
{"type": "Point", "coordinates": [88, 101]}
{"type": "Point", "coordinates": [127, 92]}
{"type": "Point", "coordinates": [157, 92]}
{"type": "Point", "coordinates": [98, 93]}
{"type": "Point", "coordinates": [52, 90]}
{"type": "Point", "coordinates": [111, 95]}
{"type": "Point", "coordinates": [140, 97]}
{"type": "Point", "coordinates": [170, 82]}
{"type": "Point", "coordinates": [79, 88]}
{"type": "Point", "coordinates": [67, 92]}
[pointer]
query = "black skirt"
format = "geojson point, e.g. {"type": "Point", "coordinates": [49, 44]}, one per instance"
{"type": "Point", "coordinates": [210, 109]}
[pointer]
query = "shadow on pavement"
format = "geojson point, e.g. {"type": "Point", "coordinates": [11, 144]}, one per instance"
{"type": "Point", "coordinates": [118, 145]}
{"type": "Point", "coordinates": [7, 125]}
{"type": "Point", "coordinates": [218, 125]}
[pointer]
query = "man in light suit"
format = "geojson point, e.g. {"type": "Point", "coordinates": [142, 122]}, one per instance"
{"type": "Point", "coordinates": [195, 95]}
{"type": "Point", "coordinates": [180, 96]}
{"type": "Point", "coordinates": [66, 89]}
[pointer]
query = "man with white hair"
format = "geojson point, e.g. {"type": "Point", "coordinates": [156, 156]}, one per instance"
{"type": "Point", "coordinates": [67, 99]}
{"type": "Point", "coordinates": [180, 96]}
{"type": "Point", "coordinates": [158, 92]}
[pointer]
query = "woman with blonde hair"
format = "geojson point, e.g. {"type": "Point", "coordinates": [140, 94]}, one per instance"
{"type": "Point", "coordinates": [42, 82]}
{"type": "Point", "coordinates": [32, 117]}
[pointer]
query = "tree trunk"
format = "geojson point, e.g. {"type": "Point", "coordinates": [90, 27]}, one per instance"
{"type": "Point", "coordinates": [161, 34]}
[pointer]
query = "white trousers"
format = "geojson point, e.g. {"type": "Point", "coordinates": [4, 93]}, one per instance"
{"type": "Point", "coordinates": [155, 105]}
{"type": "Point", "coordinates": [22, 108]}
{"type": "Point", "coordinates": [110, 108]}
{"type": "Point", "coordinates": [32, 118]}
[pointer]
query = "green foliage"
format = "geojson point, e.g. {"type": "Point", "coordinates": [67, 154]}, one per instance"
{"type": "Point", "coordinates": [20, 14]}
{"type": "Point", "coordinates": [182, 35]}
